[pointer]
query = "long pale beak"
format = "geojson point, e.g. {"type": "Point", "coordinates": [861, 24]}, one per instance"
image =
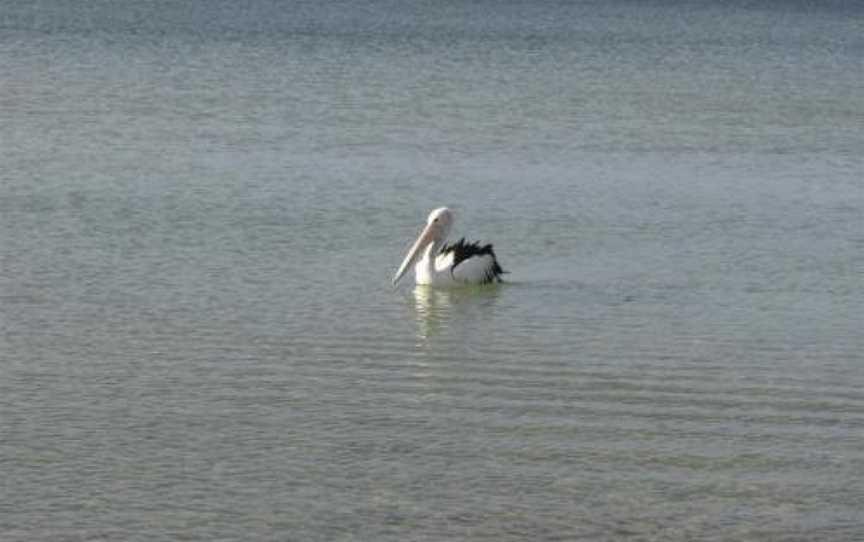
{"type": "Point", "coordinates": [425, 237]}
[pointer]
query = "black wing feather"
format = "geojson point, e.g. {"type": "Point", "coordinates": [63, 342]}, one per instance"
{"type": "Point", "coordinates": [462, 250]}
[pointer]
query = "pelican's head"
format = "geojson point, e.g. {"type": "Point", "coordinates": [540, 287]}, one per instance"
{"type": "Point", "coordinates": [442, 219]}
{"type": "Point", "coordinates": [437, 229]}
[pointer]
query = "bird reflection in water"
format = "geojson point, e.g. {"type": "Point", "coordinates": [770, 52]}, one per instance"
{"type": "Point", "coordinates": [438, 310]}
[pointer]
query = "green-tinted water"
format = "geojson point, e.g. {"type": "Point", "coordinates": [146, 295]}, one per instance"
{"type": "Point", "coordinates": [201, 207]}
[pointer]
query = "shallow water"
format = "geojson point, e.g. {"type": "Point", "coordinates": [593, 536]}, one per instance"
{"type": "Point", "coordinates": [201, 207]}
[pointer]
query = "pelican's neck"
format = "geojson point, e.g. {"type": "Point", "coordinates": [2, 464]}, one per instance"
{"type": "Point", "coordinates": [427, 263]}
{"type": "Point", "coordinates": [434, 248]}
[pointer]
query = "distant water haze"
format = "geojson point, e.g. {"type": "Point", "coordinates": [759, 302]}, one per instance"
{"type": "Point", "coordinates": [202, 205]}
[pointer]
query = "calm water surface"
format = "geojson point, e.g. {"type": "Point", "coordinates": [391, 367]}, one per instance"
{"type": "Point", "coordinates": [202, 203]}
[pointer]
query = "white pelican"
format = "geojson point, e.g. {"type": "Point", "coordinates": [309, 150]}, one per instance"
{"type": "Point", "coordinates": [458, 264]}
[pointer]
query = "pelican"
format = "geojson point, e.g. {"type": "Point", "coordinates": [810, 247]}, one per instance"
{"type": "Point", "coordinates": [443, 265]}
